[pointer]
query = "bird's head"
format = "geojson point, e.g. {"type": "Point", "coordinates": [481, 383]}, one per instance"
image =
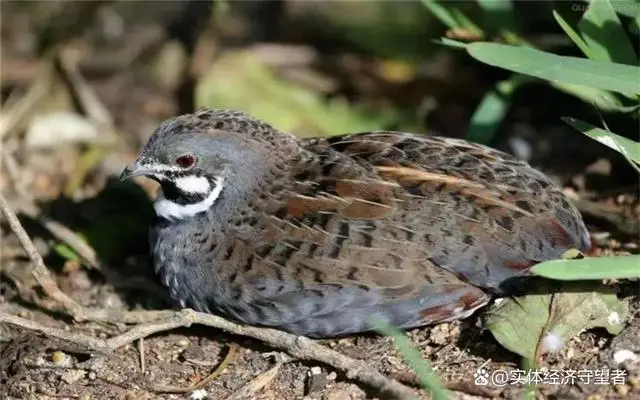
{"type": "Point", "coordinates": [197, 157]}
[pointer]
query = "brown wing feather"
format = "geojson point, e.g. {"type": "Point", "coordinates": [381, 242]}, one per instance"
{"type": "Point", "coordinates": [406, 225]}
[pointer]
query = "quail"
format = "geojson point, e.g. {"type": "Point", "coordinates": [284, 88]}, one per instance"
{"type": "Point", "coordinates": [317, 236]}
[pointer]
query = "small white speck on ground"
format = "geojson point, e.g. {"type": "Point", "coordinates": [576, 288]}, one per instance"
{"type": "Point", "coordinates": [199, 394]}
{"type": "Point", "coordinates": [623, 355]}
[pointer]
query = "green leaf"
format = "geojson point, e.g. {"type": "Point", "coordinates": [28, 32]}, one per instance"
{"type": "Point", "coordinates": [465, 22]}
{"type": "Point", "coordinates": [489, 114]}
{"type": "Point", "coordinates": [575, 36]}
{"type": "Point", "coordinates": [628, 8]}
{"type": "Point", "coordinates": [578, 71]}
{"type": "Point", "coordinates": [521, 324]}
{"type": "Point", "coordinates": [451, 16]}
{"type": "Point", "coordinates": [622, 145]}
{"type": "Point", "coordinates": [604, 35]}
{"type": "Point", "coordinates": [596, 268]}
{"type": "Point", "coordinates": [442, 13]}
{"type": "Point", "coordinates": [421, 367]}
{"type": "Point", "coordinates": [66, 252]}
{"type": "Point", "coordinates": [451, 43]}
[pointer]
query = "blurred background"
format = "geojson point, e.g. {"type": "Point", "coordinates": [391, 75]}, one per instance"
{"type": "Point", "coordinates": [307, 67]}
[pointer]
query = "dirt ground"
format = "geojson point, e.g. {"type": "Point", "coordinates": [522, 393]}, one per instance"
{"type": "Point", "coordinates": [36, 367]}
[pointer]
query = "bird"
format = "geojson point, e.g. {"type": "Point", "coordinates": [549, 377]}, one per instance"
{"type": "Point", "coordinates": [324, 236]}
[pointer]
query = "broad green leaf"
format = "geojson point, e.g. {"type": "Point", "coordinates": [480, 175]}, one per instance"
{"type": "Point", "coordinates": [604, 35]}
{"type": "Point", "coordinates": [578, 71]}
{"type": "Point", "coordinates": [591, 268]}
{"type": "Point", "coordinates": [419, 366]}
{"type": "Point", "coordinates": [521, 324]}
{"type": "Point", "coordinates": [575, 36]}
{"type": "Point", "coordinates": [622, 145]}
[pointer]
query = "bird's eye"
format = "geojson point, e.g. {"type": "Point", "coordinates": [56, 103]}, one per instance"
{"type": "Point", "coordinates": [186, 161]}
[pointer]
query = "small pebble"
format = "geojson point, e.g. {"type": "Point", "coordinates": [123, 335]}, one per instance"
{"type": "Point", "coordinates": [109, 299]}
{"type": "Point", "coordinates": [623, 355]}
{"type": "Point", "coordinates": [316, 381]}
{"type": "Point", "coordinates": [58, 358]}
{"type": "Point", "coordinates": [440, 334]}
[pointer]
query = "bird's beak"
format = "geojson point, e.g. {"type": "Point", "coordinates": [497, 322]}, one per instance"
{"type": "Point", "coordinates": [135, 169]}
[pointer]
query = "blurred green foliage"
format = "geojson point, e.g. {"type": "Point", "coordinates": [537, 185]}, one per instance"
{"type": "Point", "coordinates": [609, 78]}
{"type": "Point", "coordinates": [241, 80]}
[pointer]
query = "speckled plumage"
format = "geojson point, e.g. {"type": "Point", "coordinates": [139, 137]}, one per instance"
{"type": "Point", "coordinates": [316, 236]}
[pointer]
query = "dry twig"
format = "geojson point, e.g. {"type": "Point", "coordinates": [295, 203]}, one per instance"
{"type": "Point", "coordinates": [298, 346]}
{"type": "Point", "coordinates": [40, 272]}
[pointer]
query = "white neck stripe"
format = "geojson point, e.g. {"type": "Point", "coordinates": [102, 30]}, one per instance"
{"type": "Point", "coordinates": [173, 211]}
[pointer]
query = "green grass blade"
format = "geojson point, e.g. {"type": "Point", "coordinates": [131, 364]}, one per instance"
{"type": "Point", "coordinates": [604, 35]}
{"type": "Point", "coordinates": [499, 13]}
{"type": "Point", "coordinates": [596, 268]}
{"type": "Point", "coordinates": [465, 22]}
{"type": "Point", "coordinates": [451, 43]}
{"type": "Point", "coordinates": [442, 13]}
{"type": "Point", "coordinates": [575, 36]}
{"type": "Point", "coordinates": [622, 145]}
{"type": "Point", "coordinates": [421, 368]}
{"type": "Point", "coordinates": [579, 71]}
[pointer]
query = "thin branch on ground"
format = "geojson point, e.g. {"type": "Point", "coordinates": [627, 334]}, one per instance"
{"type": "Point", "coordinates": [297, 346]}
{"type": "Point", "coordinates": [40, 272]}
